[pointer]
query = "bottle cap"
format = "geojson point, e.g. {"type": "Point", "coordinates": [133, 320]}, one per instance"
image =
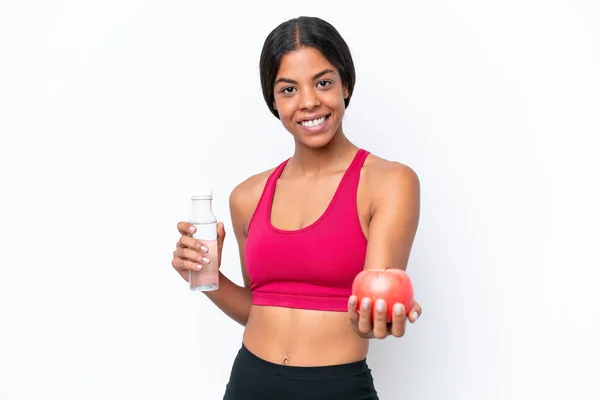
{"type": "Point", "coordinates": [202, 194]}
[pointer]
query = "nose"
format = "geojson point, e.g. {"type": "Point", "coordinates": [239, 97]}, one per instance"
{"type": "Point", "coordinates": [309, 99]}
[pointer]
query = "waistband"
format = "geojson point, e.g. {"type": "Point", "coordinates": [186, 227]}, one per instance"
{"type": "Point", "coordinates": [329, 371]}
{"type": "Point", "coordinates": [321, 303]}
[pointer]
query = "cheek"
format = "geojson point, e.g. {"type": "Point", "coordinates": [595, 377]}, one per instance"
{"type": "Point", "coordinates": [286, 108]}
{"type": "Point", "coordinates": [336, 99]}
{"type": "Point", "coordinates": [286, 112]}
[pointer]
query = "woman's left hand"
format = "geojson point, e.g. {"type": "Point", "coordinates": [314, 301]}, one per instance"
{"type": "Point", "coordinates": [379, 328]}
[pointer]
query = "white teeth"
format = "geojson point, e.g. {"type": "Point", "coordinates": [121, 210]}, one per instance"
{"type": "Point", "coordinates": [314, 122]}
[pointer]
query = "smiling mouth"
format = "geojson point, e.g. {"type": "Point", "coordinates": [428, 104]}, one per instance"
{"type": "Point", "coordinates": [314, 122]}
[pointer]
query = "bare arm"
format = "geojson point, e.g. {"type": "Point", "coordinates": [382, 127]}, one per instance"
{"type": "Point", "coordinates": [232, 299]}
{"type": "Point", "coordinates": [395, 213]}
{"type": "Point", "coordinates": [395, 217]}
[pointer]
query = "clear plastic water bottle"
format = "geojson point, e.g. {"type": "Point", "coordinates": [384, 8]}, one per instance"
{"type": "Point", "coordinates": [204, 220]}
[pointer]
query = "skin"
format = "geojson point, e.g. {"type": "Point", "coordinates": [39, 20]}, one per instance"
{"type": "Point", "coordinates": [388, 204]}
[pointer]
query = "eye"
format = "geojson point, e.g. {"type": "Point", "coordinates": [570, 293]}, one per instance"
{"type": "Point", "coordinates": [287, 90]}
{"type": "Point", "coordinates": [324, 83]}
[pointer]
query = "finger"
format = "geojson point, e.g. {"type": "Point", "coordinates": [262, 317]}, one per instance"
{"type": "Point", "coordinates": [220, 235]}
{"type": "Point", "coordinates": [189, 242]}
{"type": "Point", "coordinates": [192, 255]}
{"type": "Point", "coordinates": [353, 310]}
{"type": "Point", "coordinates": [380, 329]}
{"type": "Point", "coordinates": [398, 320]}
{"type": "Point", "coordinates": [182, 265]}
{"type": "Point", "coordinates": [365, 324]}
{"type": "Point", "coordinates": [185, 228]}
{"type": "Point", "coordinates": [415, 312]}
{"type": "Point", "coordinates": [220, 230]}
{"type": "Point", "coordinates": [185, 274]}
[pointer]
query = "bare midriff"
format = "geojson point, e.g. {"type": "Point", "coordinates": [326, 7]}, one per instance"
{"type": "Point", "coordinates": [298, 337]}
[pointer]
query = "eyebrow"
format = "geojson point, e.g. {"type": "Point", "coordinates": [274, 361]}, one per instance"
{"type": "Point", "coordinates": [317, 76]}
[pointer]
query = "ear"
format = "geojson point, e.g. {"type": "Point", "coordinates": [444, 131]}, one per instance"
{"type": "Point", "coordinates": [346, 92]}
{"type": "Point", "coordinates": [274, 105]}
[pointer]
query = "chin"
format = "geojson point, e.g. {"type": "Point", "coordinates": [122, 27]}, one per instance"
{"type": "Point", "coordinates": [315, 142]}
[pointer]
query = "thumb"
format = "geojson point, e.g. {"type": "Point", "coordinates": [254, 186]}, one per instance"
{"type": "Point", "coordinates": [220, 234]}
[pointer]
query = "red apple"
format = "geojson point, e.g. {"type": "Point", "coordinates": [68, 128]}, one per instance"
{"type": "Point", "coordinates": [391, 284]}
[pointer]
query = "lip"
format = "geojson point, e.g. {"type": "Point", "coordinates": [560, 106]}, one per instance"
{"type": "Point", "coordinates": [316, 129]}
{"type": "Point", "coordinates": [313, 117]}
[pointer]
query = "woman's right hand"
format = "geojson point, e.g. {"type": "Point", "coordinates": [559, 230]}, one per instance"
{"type": "Point", "coordinates": [191, 254]}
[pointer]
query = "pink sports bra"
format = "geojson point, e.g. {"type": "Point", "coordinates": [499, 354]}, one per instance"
{"type": "Point", "coordinates": [313, 267]}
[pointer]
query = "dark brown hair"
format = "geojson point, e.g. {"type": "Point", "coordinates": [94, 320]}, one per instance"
{"type": "Point", "coordinates": [304, 32]}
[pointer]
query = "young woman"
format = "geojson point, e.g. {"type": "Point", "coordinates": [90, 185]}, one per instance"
{"type": "Point", "coordinates": [306, 228]}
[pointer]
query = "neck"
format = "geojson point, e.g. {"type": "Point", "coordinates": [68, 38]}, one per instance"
{"type": "Point", "coordinates": [312, 161]}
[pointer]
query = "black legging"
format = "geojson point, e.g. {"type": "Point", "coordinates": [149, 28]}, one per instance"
{"type": "Point", "coordinates": [253, 378]}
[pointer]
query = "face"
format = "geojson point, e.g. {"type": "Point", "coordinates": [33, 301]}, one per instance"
{"type": "Point", "coordinates": [309, 97]}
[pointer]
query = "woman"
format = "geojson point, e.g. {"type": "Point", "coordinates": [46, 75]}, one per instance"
{"type": "Point", "coordinates": [306, 228]}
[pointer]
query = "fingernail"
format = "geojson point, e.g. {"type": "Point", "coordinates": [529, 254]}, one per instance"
{"type": "Point", "coordinates": [192, 229]}
{"type": "Point", "coordinates": [198, 267]}
{"type": "Point", "coordinates": [206, 260]}
{"type": "Point", "coordinates": [366, 302]}
{"type": "Point", "coordinates": [398, 309]}
{"type": "Point", "coordinates": [352, 301]}
{"type": "Point", "coordinates": [415, 315]}
{"type": "Point", "coordinates": [204, 249]}
{"type": "Point", "coordinates": [380, 305]}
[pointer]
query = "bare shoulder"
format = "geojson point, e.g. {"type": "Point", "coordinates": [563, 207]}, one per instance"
{"type": "Point", "coordinates": [245, 197]}
{"type": "Point", "coordinates": [393, 196]}
{"type": "Point", "coordinates": [389, 177]}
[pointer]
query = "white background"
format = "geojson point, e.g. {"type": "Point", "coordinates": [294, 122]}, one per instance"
{"type": "Point", "coordinates": [112, 112]}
